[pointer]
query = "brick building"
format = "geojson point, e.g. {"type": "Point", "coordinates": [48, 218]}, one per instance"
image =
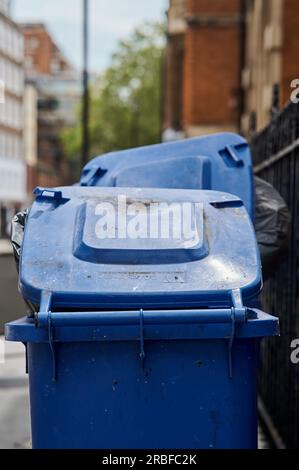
{"type": "Point", "coordinates": [202, 82]}
{"type": "Point", "coordinates": [53, 91]}
{"type": "Point", "coordinates": [223, 58]}
{"type": "Point", "coordinates": [271, 48]}
{"type": "Point", "coordinates": [42, 55]}
{"type": "Point", "coordinates": [12, 164]}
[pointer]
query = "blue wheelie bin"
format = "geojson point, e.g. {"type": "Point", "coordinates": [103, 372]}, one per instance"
{"type": "Point", "coordinates": [221, 162]}
{"type": "Point", "coordinates": [144, 336]}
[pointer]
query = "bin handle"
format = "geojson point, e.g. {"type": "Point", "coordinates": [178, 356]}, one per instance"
{"type": "Point", "coordinates": [65, 319]}
{"type": "Point", "coordinates": [238, 314]}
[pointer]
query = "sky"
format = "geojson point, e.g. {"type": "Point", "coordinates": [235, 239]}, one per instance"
{"type": "Point", "coordinates": [110, 21]}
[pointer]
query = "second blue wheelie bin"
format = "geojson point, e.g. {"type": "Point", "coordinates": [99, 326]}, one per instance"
{"type": "Point", "coordinates": [219, 162]}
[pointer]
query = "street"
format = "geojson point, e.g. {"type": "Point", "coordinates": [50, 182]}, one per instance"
{"type": "Point", "coordinates": [14, 402]}
{"type": "Point", "coordinates": [11, 303]}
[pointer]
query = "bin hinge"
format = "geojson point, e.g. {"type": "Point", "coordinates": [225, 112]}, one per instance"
{"type": "Point", "coordinates": [92, 173]}
{"type": "Point", "coordinates": [238, 315]}
{"type": "Point", "coordinates": [52, 195]}
{"type": "Point", "coordinates": [141, 336]}
{"type": "Point", "coordinates": [45, 311]}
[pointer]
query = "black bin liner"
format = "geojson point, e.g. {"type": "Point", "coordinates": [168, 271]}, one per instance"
{"type": "Point", "coordinates": [272, 226]}
{"type": "Point", "coordinates": [17, 234]}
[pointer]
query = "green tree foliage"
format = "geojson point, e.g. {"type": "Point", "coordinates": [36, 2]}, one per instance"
{"type": "Point", "coordinates": [125, 102]}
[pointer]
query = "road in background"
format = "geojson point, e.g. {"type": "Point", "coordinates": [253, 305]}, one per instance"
{"type": "Point", "coordinates": [11, 303]}
{"type": "Point", "coordinates": [14, 401]}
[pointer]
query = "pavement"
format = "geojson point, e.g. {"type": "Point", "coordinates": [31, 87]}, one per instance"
{"type": "Point", "coordinates": [14, 400]}
{"type": "Point", "coordinates": [5, 247]}
{"type": "Point", "coordinates": [11, 304]}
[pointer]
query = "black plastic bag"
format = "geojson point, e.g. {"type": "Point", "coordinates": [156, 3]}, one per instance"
{"type": "Point", "coordinates": [17, 234]}
{"type": "Point", "coordinates": [272, 225]}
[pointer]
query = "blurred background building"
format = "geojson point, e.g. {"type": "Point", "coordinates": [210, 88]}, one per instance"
{"type": "Point", "coordinates": [53, 92]}
{"type": "Point", "coordinates": [12, 163]}
{"type": "Point", "coordinates": [13, 193]}
{"type": "Point", "coordinates": [228, 63]}
{"type": "Point", "coordinates": [39, 95]}
{"type": "Point", "coordinates": [270, 57]}
{"type": "Point", "coordinates": [202, 76]}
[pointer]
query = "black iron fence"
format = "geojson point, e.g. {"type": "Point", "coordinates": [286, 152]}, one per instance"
{"type": "Point", "coordinates": [276, 159]}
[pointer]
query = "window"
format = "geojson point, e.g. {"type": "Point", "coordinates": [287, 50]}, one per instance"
{"type": "Point", "coordinates": [1, 144]}
{"type": "Point", "coordinates": [7, 40]}
{"type": "Point", "coordinates": [4, 6]}
{"type": "Point", "coordinates": [55, 66]}
{"type": "Point", "coordinates": [2, 33]}
{"type": "Point", "coordinates": [29, 63]}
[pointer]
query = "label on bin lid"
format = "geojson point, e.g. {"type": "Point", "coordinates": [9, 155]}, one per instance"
{"type": "Point", "coordinates": [123, 248]}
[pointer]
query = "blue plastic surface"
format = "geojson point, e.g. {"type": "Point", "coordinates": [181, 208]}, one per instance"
{"type": "Point", "coordinates": [61, 253]}
{"type": "Point", "coordinates": [157, 325]}
{"type": "Point", "coordinates": [183, 397]}
{"type": "Point", "coordinates": [179, 394]}
{"type": "Point", "coordinates": [146, 343]}
{"type": "Point", "coordinates": [221, 162]}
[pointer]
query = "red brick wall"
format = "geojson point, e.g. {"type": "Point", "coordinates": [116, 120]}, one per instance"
{"type": "Point", "coordinates": [213, 6]}
{"type": "Point", "coordinates": [290, 50]}
{"type": "Point", "coordinates": [43, 176]}
{"type": "Point", "coordinates": [173, 82]}
{"type": "Point", "coordinates": [32, 180]}
{"type": "Point", "coordinates": [40, 47]}
{"type": "Point", "coordinates": [212, 66]}
{"type": "Point", "coordinates": [41, 54]}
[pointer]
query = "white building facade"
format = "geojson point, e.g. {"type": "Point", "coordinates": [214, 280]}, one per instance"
{"type": "Point", "coordinates": [12, 161]}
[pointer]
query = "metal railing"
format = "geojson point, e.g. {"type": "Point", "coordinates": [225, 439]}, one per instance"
{"type": "Point", "coordinates": [275, 155]}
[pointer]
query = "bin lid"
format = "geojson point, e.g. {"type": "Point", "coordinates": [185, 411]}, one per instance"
{"type": "Point", "coordinates": [95, 247]}
{"type": "Point", "coordinates": [221, 162]}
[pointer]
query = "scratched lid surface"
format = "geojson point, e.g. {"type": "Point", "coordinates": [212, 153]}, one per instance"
{"type": "Point", "coordinates": [95, 247]}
